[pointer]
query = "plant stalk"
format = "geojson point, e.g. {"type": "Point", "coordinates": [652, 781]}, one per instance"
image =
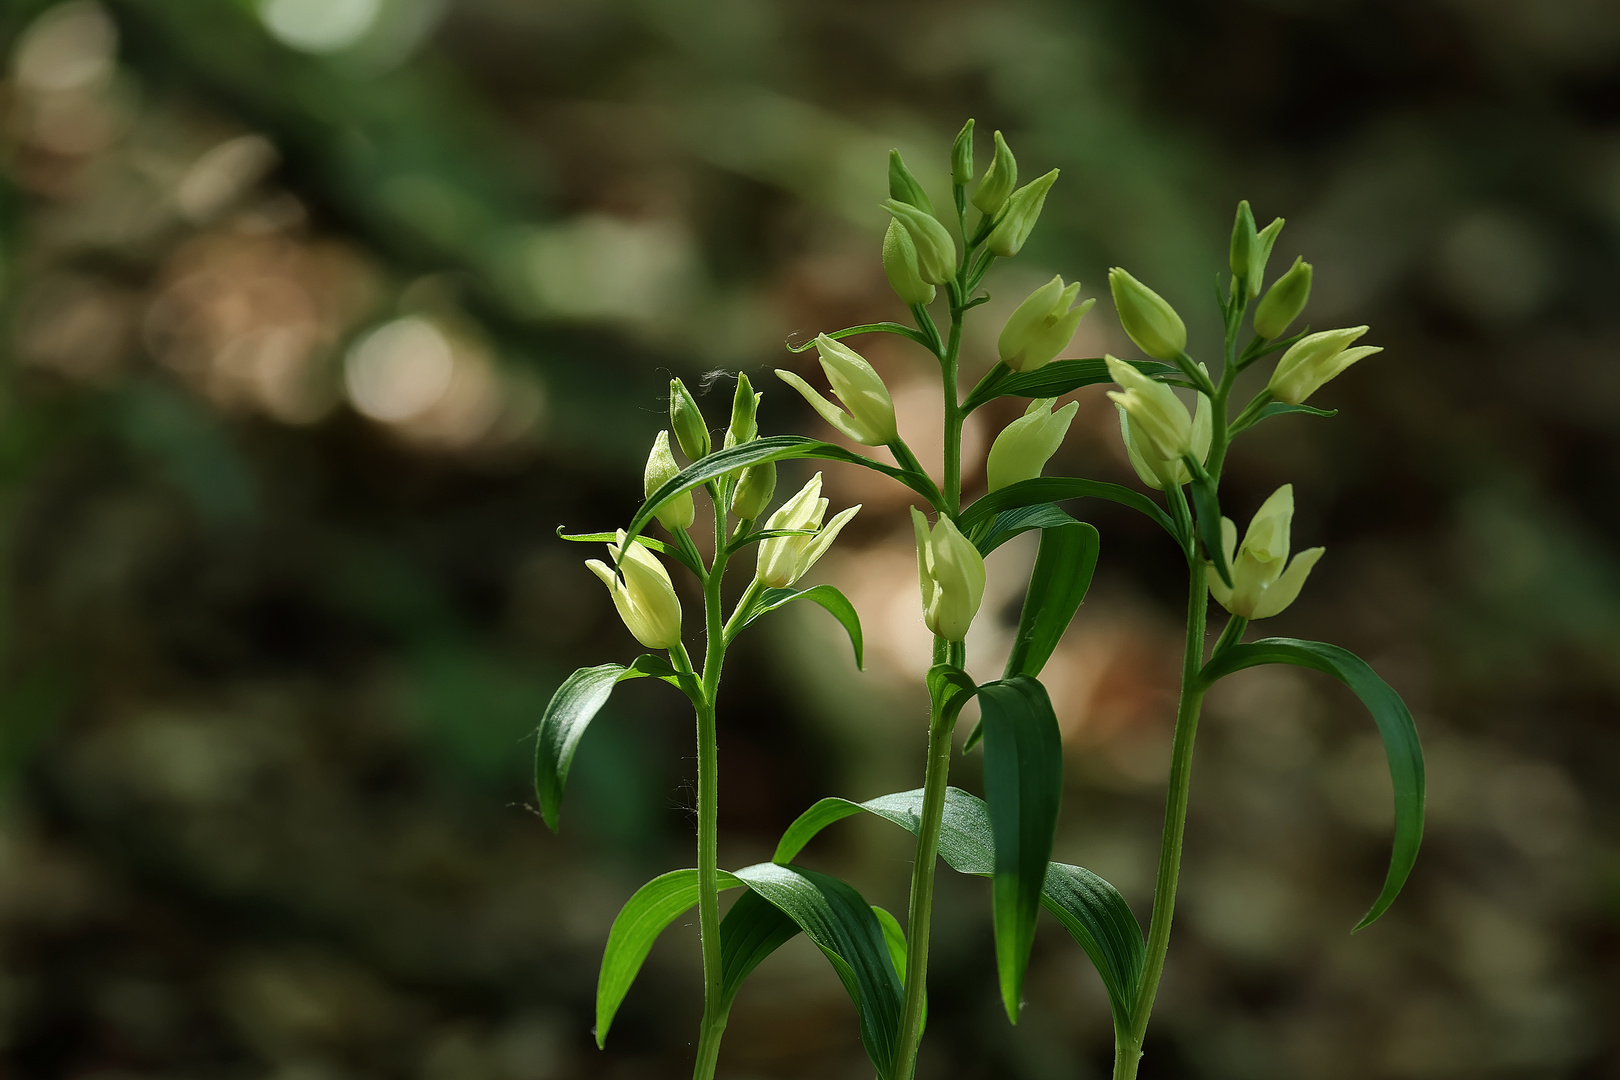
{"type": "Point", "coordinates": [708, 798]}
{"type": "Point", "coordinates": [1127, 1050]}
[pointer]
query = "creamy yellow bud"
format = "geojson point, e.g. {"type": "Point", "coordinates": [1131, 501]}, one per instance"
{"type": "Point", "coordinates": [1160, 473]}
{"type": "Point", "coordinates": [1018, 219]}
{"type": "Point", "coordinates": [962, 156]}
{"type": "Point", "coordinates": [936, 251]}
{"type": "Point", "coordinates": [783, 560]}
{"type": "Point", "coordinates": [900, 265]}
{"type": "Point", "coordinates": [744, 405]}
{"type": "Point", "coordinates": [1245, 242]}
{"type": "Point", "coordinates": [951, 573]}
{"type": "Point", "coordinates": [661, 469]}
{"type": "Point", "coordinates": [1283, 301]}
{"type": "Point", "coordinates": [755, 486]}
{"type": "Point", "coordinates": [1156, 414]}
{"type": "Point", "coordinates": [1264, 582]}
{"type": "Point", "coordinates": [686, 420]}
{"type": "Point", "coordinates": [870, 416]}
{"type": "Point", "coordinates": [1151, 322]}
{"type": "Point", "coordinates": [998, 182]}
{"type": "Point", "coordinates": [1041, 326]}
{"type": "Point", "coordinates": [645, 598]}
{"type": "Point", "coordinates": [1262, 255]}
{"type": "Point", "coordinates": [1313, 360]}
{"type": "Point", "coordinates": [1024, 446]}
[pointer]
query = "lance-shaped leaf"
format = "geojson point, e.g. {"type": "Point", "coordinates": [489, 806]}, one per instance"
{"type": "Point", "coordinates": [1009, 523]}
{"type": "Point", "coordinates": [1057, 585]}
{"type": "Point", "coordinates": [952, 688]}
{"type": "Point", "coordinates": [570, 712]}
{"type": "Point", "coordinates": [757, 451]}
{"type": "Point", "coordinates": [1052, 380]}
{"type": "Point", "coordinates": [1051, 489]}
{"type": "Point", "coordinates": [833, 915]}
{"type": "Point", "coordinates": [674, 551]}
{"type": "Point", "coordinates": [1092, 910]}
{"type": "Point", "coordinates": [644, 916]}
{"type": "Point", "coordinates": [836, 603]}
{"type": "Point", "coordinates": [1394, 722]}
{"type": "Point", "coordinates": [1207, 515]}
{"type": "Point", "coordinates": [752, 930]}
{"type": "Point", "coordinates": [1023, 785]}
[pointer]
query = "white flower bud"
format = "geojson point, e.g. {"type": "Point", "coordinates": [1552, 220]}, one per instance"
{"type": "Point", "coordinates": [1156, 414]}
{"type": "Point", "coordinates": [1041, 326]}
{"type": "Point", "coordinates": [936, 251]}
{"type": "Point", "coordinates": [661, 469]}
{"type": "Point", "coordinates": [951, 573]}
{"type": "Point", "coordinates": [783, 560]}
{"type": "Point", "coordinates": [870, 419]}
{"type": "Point", "coordinates": [1151, 322]}
{"type": "Point", "coordinates": [1264, 582]}
{"type": "Point", "coordinates": [645, 597]}
{"type": "Point", "coordinates": [1024, 446]}
{"type": "Point", "coordinates": [1313, 360]}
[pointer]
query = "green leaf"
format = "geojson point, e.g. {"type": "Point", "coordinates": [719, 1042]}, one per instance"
{"type": "Point", "coordinates": [644, 916]}
{"type": "Point", "coordinates": [836, 603]}
{"type": "Point", "coordinates": [870, 328]}
{"type": "Point", "coordinates": [1051, 380]}
{"type": "Point", "coordinates": [1023, 785]}
{"type": "Point", "coordinates": [1010, 523]}
{"type": "Point", "coordinates": [1058, 584]}
{"type": "Point", "coordinates": [1207, 512]}
{"type": "Point", "coordinates": [1092, 910]}
{"type": "Point", "coordinates": [1394, 722]}
{"type": "Point", "coordinates": [752, 930]}
{"type": "Point", "coordinates": [952, 688]}
{"type": "Point", "coordinates": [899, 953]}
{"type": "Point", "coordinates": [1278, 408]}
{"type": "Point", "coordinates": [833, 915]}
{"type": "Point", "coordinates": [570, 712]}
{"type": "Point", "coordinates": [765, 534]}
{"type": "Point", "coordinates": [673, 551]}
{"type": "Point", "coordinates": [769, 448]}
{"type": "Point", "coordinates": [1048, 489]}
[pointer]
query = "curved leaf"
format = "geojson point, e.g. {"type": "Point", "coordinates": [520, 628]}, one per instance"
{"type": "Point", "coordinates": [836, 603]}
{"type": "Point", "coordinates": [899, 954]}
{"type": "Point", "coordinates": [833, 915]}
{"type": "Point", "coordinates": [870, 328]}
{"type": "Point", "coordinates": [1207, 515]}
{"type": "Point", "coordinates": [769, 448]}
{"type": "Point", "coordinates": [1008, 524]}
{"type": "Point", "coordinates": [570, 712]}
{"type": "Point", "coordinates": [644, 916]}
{"type": "Point", "coordinates": [1051, 380]}
{"type": "Point", "coordinates": [1057, 586]}
{"type": "Point", "coordinates": [752, 930]}
{"type": "Point", "coordinates": [1092, 910]}
{"type": "Point", "coordinates": [1389, 712]}
{"type": "Point", "coordinates": [1023, 786]}
{"type": "Point", "coordinates": [952, 688]}
{"type": "Point", "coordinates": [1048, 489]}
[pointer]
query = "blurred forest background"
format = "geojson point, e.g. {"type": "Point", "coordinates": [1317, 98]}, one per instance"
{"type": "Point", "coordinates": [320, 316]}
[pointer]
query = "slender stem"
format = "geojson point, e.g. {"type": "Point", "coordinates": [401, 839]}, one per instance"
{"type": "Point", "coordinates": [953, 417]}
{"type": "Point", "coordinates": [708, 796]}
{"type": "Point", "coordinates": [920, 917]}
{"type": "Point", "coordinates": [1175, 819]}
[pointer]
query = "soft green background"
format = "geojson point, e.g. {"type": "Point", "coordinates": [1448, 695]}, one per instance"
{"type": "Point", "coordinates": [270, 663]}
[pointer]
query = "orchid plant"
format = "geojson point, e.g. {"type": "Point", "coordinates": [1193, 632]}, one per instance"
{"type": "Point", "coordinates": [1007, 835]}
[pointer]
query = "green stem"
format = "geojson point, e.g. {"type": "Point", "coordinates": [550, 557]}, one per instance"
{"type": "Point", "coordinates": [708, 796]}
{"type": "Point", "coordinates": [920, 917]}
{"type": "Point", "coordinates": [953, 417]}
{"type": "Point", "coordinates": [1175, 823]}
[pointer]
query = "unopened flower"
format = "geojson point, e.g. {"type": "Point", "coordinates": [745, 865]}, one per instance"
{"type": "Point", "coordinates": [936, 251]}
{"type": "Point", "coordinates": [1018, 219]}
{"type": "Point", "coordinates": [870, 419]}
{"type": "Point", "coordinates": [686, 421]}
{"type": "Point", "coordinates": [661, 469]}
{"type": "Point", "coordinates": [1041, 326]}
{"type": "Point", "coordinates": [1313, 360]}
{"type": "Point", "coordinates": [900, 264]}
{"type": "Point", "coordinates": [998, 181]}
{"type": "Point", "coordinates": [1157, 416]}
{"type": "Point", "coordinates": [1264, 582]}
{"type": "Point", "coordinates": [951, 572]}
{"type": "Point", "coordinates": [1161, 473]}
{"type": "Point", "coordinates": [1283, 301]}
{"type": "Point", "coordinates": [645, 598]}
{"type": "Point", "coordinates": [782, 560]}
{"type": "Point", "coordinates": [755, 486]}
{"type": "Point", "coordinates": [1024, 446]}
{"type": "Point", "coordinates": [1151, 322]}
{"type": "Point", "coordinates": [962, 156]}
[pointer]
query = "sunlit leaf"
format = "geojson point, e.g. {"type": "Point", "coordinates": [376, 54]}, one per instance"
{"type": "Point", "coordinates": [752, 930]}
{"type": "Point", "coordinates": [644, 916]}
{"type": "Point", "coordinates": [1051, 489]}
{"type": "Point", "coordinates": [1008, 524]}
{"type": "Point", "coordinates": [570, 712]}
{"type": "Point", "coordinates": [1023, 785]}
{"type": "Point", "coordinates": [1395, 724]}
{"type": "Point", "coordinates": [836, 603]}
{"type": "Point", "coordinates": [899, 952]}
{"type": "Point", "coordinates": [1057, 586]}
{"type": "Point", "coordinates": [673, 551]}
{"type": "Point", "coordinates": [1051, 380]}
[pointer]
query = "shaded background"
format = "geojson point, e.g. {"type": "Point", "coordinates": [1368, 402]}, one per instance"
{"type": "Point", "coordinates": [322, 315]}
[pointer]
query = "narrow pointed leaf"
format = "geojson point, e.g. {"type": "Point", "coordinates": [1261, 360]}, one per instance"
{"type": "Point", "coordinates": [570, 712]}
{"type": "Point", "coordinates": [1092, 910]}
{"type": "Point", "coordinates": [1278, 408]}
{"type": "Point", "coordinates": [769, 448]}
{"type": "Point", "coordinates": [1207, 515]}
{"type": "Point", "coordinates": [1389, 712]}
{"type": "Point", "coordinates": [644, 916]}
{"type": "Point", "coordinates": [836, 603]}
{"type": "Point", "coordinates": [1023, 786]}
{"type": "Point", "coordinates": [1050, 489]}
{"type": "Point", "coordinates": [1057, 586]}
{"type": "Point", "coordinates": [870, 328]}
{"type": "Point", "coordinates": [673, 551]}
{"type": "Point", "coordinates": [752, 930]}
{"type": "Point", "coordinates": [833, 915]}
{"type": "Point", "coordinates": [1009, 523]}
{"type": "Point", "coordinates": [952, 688]}
{"type": "Point", "coordinates": [899, 953]}
{"type": "Point", "coordinates": [1051, 380]}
